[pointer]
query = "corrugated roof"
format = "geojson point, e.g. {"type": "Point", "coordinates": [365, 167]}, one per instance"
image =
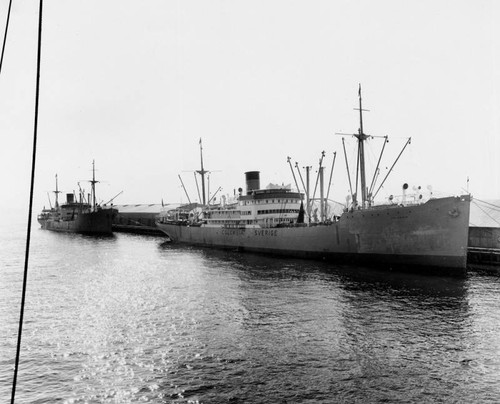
{"type": "Point", "coordinates": [145, 208]}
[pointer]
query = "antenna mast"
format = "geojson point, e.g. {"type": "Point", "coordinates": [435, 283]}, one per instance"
{"type": "Point", "coordinates": [202, 172]}
{"type": "Point", "coordinates": [361, 138]}
{"type": "Point", "coordinates": [93, 182]}
{"type": "Point", "coordinates": [57, 192]}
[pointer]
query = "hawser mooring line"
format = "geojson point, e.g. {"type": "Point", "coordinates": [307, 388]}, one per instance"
{"type": "Point", "coordinates": [5, 35]}
{"type": "Point", "coordinates": [28, 234]}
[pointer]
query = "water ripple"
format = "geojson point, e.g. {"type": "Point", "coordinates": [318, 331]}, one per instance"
{"type": "Point", "coordinates": [128, 319]}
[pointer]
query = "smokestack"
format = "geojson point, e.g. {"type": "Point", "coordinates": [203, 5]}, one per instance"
{"type": "Point", "coordinates": [253, 181]}
{"type": "Point", "coordinates": [69, 198]}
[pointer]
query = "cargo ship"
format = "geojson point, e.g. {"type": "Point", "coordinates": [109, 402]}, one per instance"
{"type": "Point", "coordinates": [430, 236]}
{"type": "Point", "coordinates": [78, 216]}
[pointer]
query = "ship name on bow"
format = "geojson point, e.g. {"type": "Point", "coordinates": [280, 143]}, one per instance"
{"type": "Point", "coordinates": [266, 232]}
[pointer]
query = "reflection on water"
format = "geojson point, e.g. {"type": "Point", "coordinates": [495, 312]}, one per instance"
{"type": "Point", "coordinates": [129, 319]}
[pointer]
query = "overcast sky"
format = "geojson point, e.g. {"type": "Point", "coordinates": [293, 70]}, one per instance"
{"type": "Point", "coordinates": [136, 84]}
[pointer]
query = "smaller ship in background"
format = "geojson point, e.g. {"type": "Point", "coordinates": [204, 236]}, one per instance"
{"type": "Point", "coordinates": [78, 215]}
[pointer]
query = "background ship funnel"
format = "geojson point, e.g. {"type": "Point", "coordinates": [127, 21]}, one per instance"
{"type": "Point", "coordinates": [253, 181]}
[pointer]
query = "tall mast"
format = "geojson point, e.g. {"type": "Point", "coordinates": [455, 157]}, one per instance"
{"type": "Point", "coordinates": [361, 138]}
{"type": "Point", "coordinates": [57, 192]}
{"type": "Point", "coordinates": [93, 182]}
{"type": "Point", "coordinates": [202, 172]}
{"type": "Point", "coordinates": [308, 201]}
{"type": "Point", "coordinates": [321, 194]}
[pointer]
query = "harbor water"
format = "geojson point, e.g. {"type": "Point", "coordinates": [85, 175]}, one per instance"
{"type": "Point", "coordinates": [130, 319]}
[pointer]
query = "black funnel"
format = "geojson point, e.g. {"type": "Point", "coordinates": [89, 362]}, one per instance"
{"type": "Point", "coordinates": [253, 181]}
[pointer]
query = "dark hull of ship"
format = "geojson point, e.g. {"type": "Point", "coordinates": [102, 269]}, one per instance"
{"type": "Point", "coordinates": [99, 222]}
{"type": "Point", "coordinates": [430, 237]}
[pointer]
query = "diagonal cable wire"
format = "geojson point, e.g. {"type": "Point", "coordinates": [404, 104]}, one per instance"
{"type": "Point", "coordinates": [486, 213]}
{"type": "Point", "coordinates": [493, 207]}
{"type": "Point", "coordinates": [5, 34]}
{"type": "Point", "coordinates": [28, 235]}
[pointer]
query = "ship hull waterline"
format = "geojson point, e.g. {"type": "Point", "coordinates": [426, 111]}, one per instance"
{"type": "Point", "coordinates": [431, 237]}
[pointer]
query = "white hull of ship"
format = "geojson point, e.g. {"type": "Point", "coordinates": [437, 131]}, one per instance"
{"type": "Point", "coordinates": [431, 235]}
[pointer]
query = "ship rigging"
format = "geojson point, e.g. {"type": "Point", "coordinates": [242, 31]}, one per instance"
{"type": "Point", "coordinates": [367, 194]}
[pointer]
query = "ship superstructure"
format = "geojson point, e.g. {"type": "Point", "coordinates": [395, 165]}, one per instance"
{"type": "Point", "coordinates": [258, 208]}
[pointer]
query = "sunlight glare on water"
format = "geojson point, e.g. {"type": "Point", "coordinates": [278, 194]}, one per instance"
{"type": "Point", "coordinates": [129, 318]}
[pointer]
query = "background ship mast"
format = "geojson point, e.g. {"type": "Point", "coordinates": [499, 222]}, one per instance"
{"type": "Point", "coordinates": [57, 192]}
{"type": "Point", "coordinates": [361, 153]}
{"type": "Point", "coordinates": [93, 182]}
{"type": "Point", "coordinates": [202, 172]}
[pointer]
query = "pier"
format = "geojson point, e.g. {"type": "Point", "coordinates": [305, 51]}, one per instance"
{"type": "Point", "coordinates": [138, 218]}
{"type": "Point", "coordinates": [483, 252]}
